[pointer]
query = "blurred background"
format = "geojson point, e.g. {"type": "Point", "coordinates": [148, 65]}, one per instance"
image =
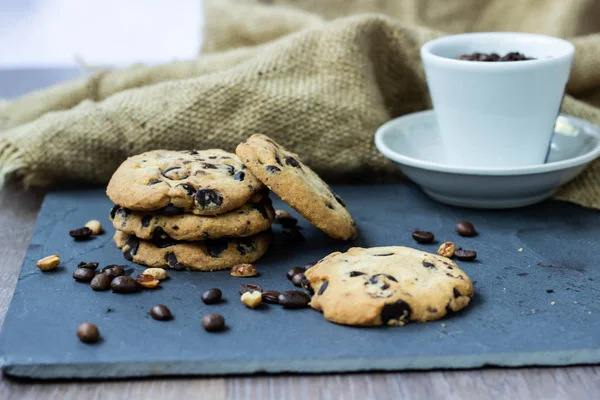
{"type": "Point", "coordinates": [63, 33]}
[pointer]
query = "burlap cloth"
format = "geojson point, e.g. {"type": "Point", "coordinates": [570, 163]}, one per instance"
{"type": "Point", "coordinates": [283, 68]}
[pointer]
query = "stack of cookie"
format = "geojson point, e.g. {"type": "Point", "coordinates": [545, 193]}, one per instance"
{"type": "Point", "coordinates": [199, 210]}
{"type": "Point", "coordinates": [205, 210]}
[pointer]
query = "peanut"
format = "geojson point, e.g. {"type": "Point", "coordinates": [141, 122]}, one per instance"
{"type": "Point", "coordinates": [94, 226]}
{"type": "Point", "coordinates": [156, 273]}
{"type": "Point", "coordinates": [243, 270]}
{"type": "Point", "coordinates": [49, 263]}
{"type": "Point", "coordinates": [447, 249]}
{"type": "Point", "coordinates": [147, 281]}
{"type": "Point", "coordinates": [252, 299]}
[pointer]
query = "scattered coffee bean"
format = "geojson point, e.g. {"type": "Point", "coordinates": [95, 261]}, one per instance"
{"type": "Point", "coordinates": [213, 322]}
{"type": "Point", "coordinates": [271, 296]}
{"type": "Point", "coordinates": [113, 270]}
{"type": "Point", "coordinates": [124, 284]}
{"type": "Point", "coordinates": [243, 270]}
{"type": "Point", "coordinates": [465, 228]}
{"type": "Point", "coordinates": [251, 299]}
{"type": "Point", "coordinates": [212, 296]}
{"type": "Point", "coordinates": [250, 287]}
{"type": "Point", "coordinates": [465, 255]}
{"type": "Point", "coordinates": [161, 312]}
{"type": "Point", "coordinates": [81, 233]}
{"type": "Point", "coordinates": [147, 281]}
{"type": "Point", "coordinates": [309, 265]}
{"type": "Point", "coordinates": [100, 282]}
{"type": "Point", "coordinates": [423, 237]}
{"type": "Point", "coordinates": [92, 265]}
{"type": "Point", "coordinates": [49, 263]}
{"type": "Point", "coordinates": [298, 279]}
{"type": "Point", "coordinates": [83, 274]}
{"type": "Point", "coordinates": [157, 273]}
{"type": "Point", "coordinates": [447, 249]}
{"type": "Point", "coordinates": [88, 333]}
{"type": "Point", "coordinates": [296, 270]}
{"type": "Point", "coordinates": [294, 299]}
{"type": "Point", "coordinates": [285, 219]}
{"type": "Point", "coordinates": [95, 226]}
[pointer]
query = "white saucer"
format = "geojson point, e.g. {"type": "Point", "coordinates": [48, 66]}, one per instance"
{"type": "Point", "coordinates": [413, 142]}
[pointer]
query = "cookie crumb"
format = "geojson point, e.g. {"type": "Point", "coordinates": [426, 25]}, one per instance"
{"type": "Point", "coordinates": [575, 302]}
{"type": "Point", "coordinates": [552, 303]}
{"type": "Point", "coordinates": [443, 325]}
{"type": "Point", "coordinates": [520, 250]}
{"type": "Point", "coordinates": [589, 312]}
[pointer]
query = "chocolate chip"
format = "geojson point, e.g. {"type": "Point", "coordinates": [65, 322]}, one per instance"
{"type": "Point", "coordinates": [373, 279]}
{"type": "Point", "coordinates": [154, 182]}
{"type": "Point", "coordinates": [323, 288]}
{"type": "Point", "coordinates": [101, 282]}
{"type": "Point", "coordinates": [549, 291]}
{"type": "Point", "coordinates": [339, 199]}
{"type": "Point", "coordinates": [423, 237]}
{"type": "Point", "coordinates": [383, 254]}
{"type": "Point", "coordinates": [239, 176]}
{"type": "Point", "coordinates": [293, 235]}
{"type": "Point", "coordinates": [245, 246]}
{"type": "Point", "coordinates": [173, 263]}
{"type": "Point", "coordinates": [465, 255]}
{"type": "Point", "coordinates": [250, 287]}
{"type": "Point", "coordinates": [213, 322]}
{"type": "Point", "coordinates": [113, 211]}
{"type": "Point", "coordinates": [272, 169]}
{"type": "Point", "coordinates": [81, 233]}
{"type": "Point", "coordinates": [83, 274]}
{"type": "Point", "coordinates": [191, 152]}
{"type": "Point", "coordinates": [213, 157]}
{"type": "Point", "coordinates": [161, 240]}
{"type": "Point", "coordinates": [91, 265]}
{"type": "Point", "coordinates": [88, 333]}
{"type": "Point", "coordinates": [209, 165]}
{"type": "Point", "coordinates": [189, 189]}
{"type": "Point", "coordinates": [429, 265]}
{"type": "Point", "coordinates": [354, 274]}
{"type": "Point", "coordinates": [296, 270]}
{"type": "Point", "coordinates": [212, 296]}
{"type": "Point", "coordinates": [278, 160]}
{"type": "Point", "coordinates": [262, 210]}
{"type": "Point", "coordinates": [465, 228]}
{"type": "Point", "coordinates": [124, 284]}
{"type": "Point", "coordinates": [175, 173]}
{"type": "Point", "coordinates": [160, 312]}
{"type": "Point", "coordinates": [216, 247]}
{"type": "Point", "coordinates": [310, 265]}
{"type": "Point", "coordinates": [432, 310]}
{"type": "Point", "coordinates": [146, 220]}
{"type": "Point", "coordinates": [449, 309]}
{"type": "Point", "coordinates": [133, 244]}
{"type": "Point", "coordinates": [456, 292]}
{"type": "Point", "coordinates": [208, 199]}
{"type": "Point", "coordinates": [171, 210]}
{"type": "Point", "coordinates": [294, 299]}
{"type": "Point", "coordinates": [291, 161]}
{"type": "Point", "coordinates": [113, 271]}
{"type": "Point", "coordinates": [399, 311]}
{"type": "Point", "coordinates": [271, 296]}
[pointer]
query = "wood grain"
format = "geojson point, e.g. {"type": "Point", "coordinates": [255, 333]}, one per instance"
{"type": "Point", "coordinates": [18, 211]}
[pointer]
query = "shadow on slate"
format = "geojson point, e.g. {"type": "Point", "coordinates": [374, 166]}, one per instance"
{"type": "Point", "coordinates": [511, 321]}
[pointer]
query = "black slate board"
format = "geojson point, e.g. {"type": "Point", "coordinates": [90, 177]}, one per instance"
{"type": "Point", "coordinates": [510, 322]}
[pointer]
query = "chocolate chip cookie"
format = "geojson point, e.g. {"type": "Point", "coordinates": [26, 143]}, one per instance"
{"type": "Point", "coordinates": [387, 286]}
{"type": "Point", "coordinates": [203, 182]}
{"type": "Point", "coordinates": [208, 255]}
{"type": "Point", "coordinates": [247, 220]}
{"type": "Point", "coordinates": [297, 185]}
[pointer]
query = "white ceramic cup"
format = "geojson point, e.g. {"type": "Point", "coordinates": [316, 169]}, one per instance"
{"type": "Point", "coordinates": [496, 114]}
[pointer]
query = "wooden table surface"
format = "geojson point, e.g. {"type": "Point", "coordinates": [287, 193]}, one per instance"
{"type": "Point", "coordinates": [18, 211]}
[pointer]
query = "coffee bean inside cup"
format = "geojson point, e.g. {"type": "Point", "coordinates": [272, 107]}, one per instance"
{"type": "Point", "coordinates": [492, 57]}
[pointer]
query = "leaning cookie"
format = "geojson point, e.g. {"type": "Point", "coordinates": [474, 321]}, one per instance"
{"type": "Point", "coordinates": [247, 220]}
{"type": "Point", "coordinates": [209, 255]}
{"type": "Point", "coordinates": [204, 182]}
{"type": "Point", "coordinates": [387, 286]}
{"type": "Point", "coordinates": [297, 185]}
